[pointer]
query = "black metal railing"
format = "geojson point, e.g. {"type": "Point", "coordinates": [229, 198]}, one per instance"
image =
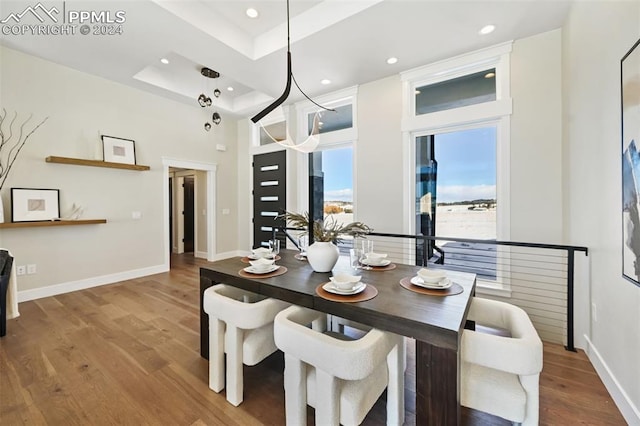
{"type": "Point", "coordinates": [537, 277]}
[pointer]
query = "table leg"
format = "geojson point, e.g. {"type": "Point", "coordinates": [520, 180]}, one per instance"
{"type": "Point", "coordinates": [437, 385]}
{"type": "Point", "coordinates": [205, 283]}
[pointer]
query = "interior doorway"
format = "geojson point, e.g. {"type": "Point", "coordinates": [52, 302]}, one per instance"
{"type": "Point", "coordinates": [188, 213]}
{"type": "Point", "coordinates": [175, 172]}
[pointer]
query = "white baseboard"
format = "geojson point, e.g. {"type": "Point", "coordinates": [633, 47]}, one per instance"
{"type": "Point", "coordinates": [228, 254]}
{"type": "Point", "coordinates": [200, 254]}
{"type": "Point", "coordinates": [629, 411]}
{"type": "Point", "coordinates": [68, 287]}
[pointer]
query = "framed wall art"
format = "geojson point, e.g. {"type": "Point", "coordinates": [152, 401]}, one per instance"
{"type": "Point", "coordinates": [630, 107]}
{"type": "Point", "coordinates": [118, 150]}
{"type": "Point", "coordinates": [34, 205]}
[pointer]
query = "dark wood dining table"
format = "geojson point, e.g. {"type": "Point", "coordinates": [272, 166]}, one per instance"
{"type": "Point", "coordinates": [435, 322]}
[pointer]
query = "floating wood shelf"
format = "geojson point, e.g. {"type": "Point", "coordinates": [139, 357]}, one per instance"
{"type": "Point", "coordinates": [52, 223]}
{"type": "Point", "coordinates": [94, 163]}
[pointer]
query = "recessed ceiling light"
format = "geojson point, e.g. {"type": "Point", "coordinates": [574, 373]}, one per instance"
{"type": "Point", "coordinates": [490, 75]}
{"type": "Point", "coordinates": [230, 89]}
{"type": "Point", "coordinates": [326, 81]}
{"type": "Point", "coordinates": [487, 29]}
{"type": "Point", "coordinates": [164, 61]}
{"type": "Point", "coordinates": [392, 60]}
{"type": "Point", "coordinates": [252, 13]}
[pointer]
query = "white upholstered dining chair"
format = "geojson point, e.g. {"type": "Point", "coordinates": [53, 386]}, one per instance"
{"type": "Point", "coordinates": [341, 378]}
{"type": "Point", "coordinates": [240, 325]}
{"type": "Point", "coordinates": [500, 375]}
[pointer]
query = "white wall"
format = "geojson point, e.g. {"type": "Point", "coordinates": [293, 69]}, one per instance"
{"type": "Point", "coordinates": [378, 156]}
{"type": "Point", "coordinates": [595, 37]}
{"type": "Point", "coordinates": [536, 139]}
{"type": "Point", "coordinates": [80, 107]}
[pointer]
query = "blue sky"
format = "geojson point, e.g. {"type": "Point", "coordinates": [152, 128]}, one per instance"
{"type": "Point", "coordinates": [337, 166]}
{"type": "Point", "coordinates": [466, 167]}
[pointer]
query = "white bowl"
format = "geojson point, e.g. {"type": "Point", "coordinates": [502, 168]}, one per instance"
{"type": "Point", "coordinates": [345, 281]}
{"type": "Point", "coordinates": [432, 275]}
{"type": "Point", "coordinates": [261, 252]}
{"type": "Point", "coordinates": [375, 258]}
{"type": "Point", "coordinates": [262, 264]}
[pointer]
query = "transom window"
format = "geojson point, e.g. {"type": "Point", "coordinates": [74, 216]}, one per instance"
{"type": "Point", "coordinates": [457, 92]}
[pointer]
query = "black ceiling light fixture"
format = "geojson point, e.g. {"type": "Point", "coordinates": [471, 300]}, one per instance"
{"type": "Point", "coordinates": [259, 116]}
{"type": "Point", "coordinates": [205, 101]}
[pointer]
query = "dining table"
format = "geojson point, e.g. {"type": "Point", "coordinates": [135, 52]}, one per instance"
{"type": "Point", "coordinates": [435, 319]}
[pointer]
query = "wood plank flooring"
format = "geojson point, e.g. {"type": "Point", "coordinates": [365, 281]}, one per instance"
{"type": "Point", "coordinates": [128, 354]}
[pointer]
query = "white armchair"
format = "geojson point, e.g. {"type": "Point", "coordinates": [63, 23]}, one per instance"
{"type": "Point", "coordinates": [240, 324]}
{"type": "Point", "coordinates": [341, 379]}
{"type": "Point", "coordinates": [500, 375]}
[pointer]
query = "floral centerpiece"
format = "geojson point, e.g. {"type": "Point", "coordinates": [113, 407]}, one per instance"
{"type": "Point", "coordinates": [323, 253]}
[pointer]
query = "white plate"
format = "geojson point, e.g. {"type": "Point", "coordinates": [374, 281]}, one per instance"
{"type": "Point", "coordinates": [383, 262]}
{"type": "Point", "coordinates": [331, 289]}
{"type": "Point", "coordinates": [253, 270]}
{"type": "Point", "coordinates": [442, 285]}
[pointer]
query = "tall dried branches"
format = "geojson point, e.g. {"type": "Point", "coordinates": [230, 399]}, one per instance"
{"type": "Point", "coordinates": [10, 147]}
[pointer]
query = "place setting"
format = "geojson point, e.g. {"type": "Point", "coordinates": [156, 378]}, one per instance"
{"type": "Point", "coordinates": [346, 288]}
{"type": "Point", "coordinates": [271, 252]}
{"type": "Point", "coordinates": [368, 260]}
{"type": "Point", "coordinates": [264, 264]}
{"type": "Point", "coordinates": [433, 282]}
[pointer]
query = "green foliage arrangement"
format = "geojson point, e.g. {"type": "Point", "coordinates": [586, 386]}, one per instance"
{"type": "Point", "coordinates": [326, 230]}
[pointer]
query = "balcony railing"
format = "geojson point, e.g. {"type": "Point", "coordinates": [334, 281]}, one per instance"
{"type": "Point", "coordinates": [537, 277]}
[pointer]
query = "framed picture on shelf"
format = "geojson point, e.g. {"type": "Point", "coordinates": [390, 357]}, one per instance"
{"type": "Point", "coordinates": [630, 105]}
{"type": "Point", "coordinates": [34, 205]}
{"type": "Point", "coordinates": [118, 150]}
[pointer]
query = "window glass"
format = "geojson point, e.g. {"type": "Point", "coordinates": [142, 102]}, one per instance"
{"type": "Point", "coordinates": [278, 131]}
{"type": "Point", "coordinates": [330, 121]}
{"type": "Point", "coordinates": [455, 93]}
{"type": "Point", "coordinates": [333, 183]}
{"type": "Point", "coordinates": [456, 192]}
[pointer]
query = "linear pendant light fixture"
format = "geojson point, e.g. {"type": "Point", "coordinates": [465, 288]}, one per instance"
{"type": "Point", "coordinates": [309, 144]}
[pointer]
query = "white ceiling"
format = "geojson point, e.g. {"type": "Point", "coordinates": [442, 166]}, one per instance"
{"type": "Point", "coordinates": [345, 41]}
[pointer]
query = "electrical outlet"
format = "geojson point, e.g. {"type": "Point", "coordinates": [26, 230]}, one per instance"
{"type": "Point", "coordinates": [31, 269]}
{"type": "Point", "coordinates": [21, 270]}
{"type": "Point", "coordinates": [594, 312]}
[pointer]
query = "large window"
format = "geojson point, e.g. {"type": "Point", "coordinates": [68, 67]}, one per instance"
{"type": "Point", "coordinates": [456, 122]}
{"type": "Point", "coordinates": [332, 170]}
{"type": "Point", "coordinates": [330, 166]}
{"type": "Point", "coordinates": [456, 184]}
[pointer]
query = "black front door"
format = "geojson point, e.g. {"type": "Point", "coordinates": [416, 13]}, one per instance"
{"type": "Point", "coordinates": [269, 195]}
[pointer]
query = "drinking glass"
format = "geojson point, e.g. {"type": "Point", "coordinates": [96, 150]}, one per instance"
{"type": "Point", "coordinates": [274, 246]}
{"type": "Point", "coordinates": [303, 243]}
{"type": "Point", "coordinates": [354, 257]}
{"type": "Point", "coordinates": [367, 247]}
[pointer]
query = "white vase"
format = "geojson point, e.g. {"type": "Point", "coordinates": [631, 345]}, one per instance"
{"type": "Point", "coordinates": [322, 256]}
{"type": "Point", "coordinates": [1, 211]}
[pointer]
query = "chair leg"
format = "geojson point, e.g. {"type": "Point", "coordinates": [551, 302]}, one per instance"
{"type": "Point", "coordinates": [216, 354]}
{"type": "Point", "coordinates": [235, 385]}
{"type": "Point", "coordinates": [295, 391]}
{"type": "Point", "coordinates": [395, 387]}
{"type": "Point", "coordinates": [327, 399]}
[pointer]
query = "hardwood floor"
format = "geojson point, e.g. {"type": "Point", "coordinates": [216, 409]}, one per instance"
{"type": "Point", "coordinates": [128, 353]}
